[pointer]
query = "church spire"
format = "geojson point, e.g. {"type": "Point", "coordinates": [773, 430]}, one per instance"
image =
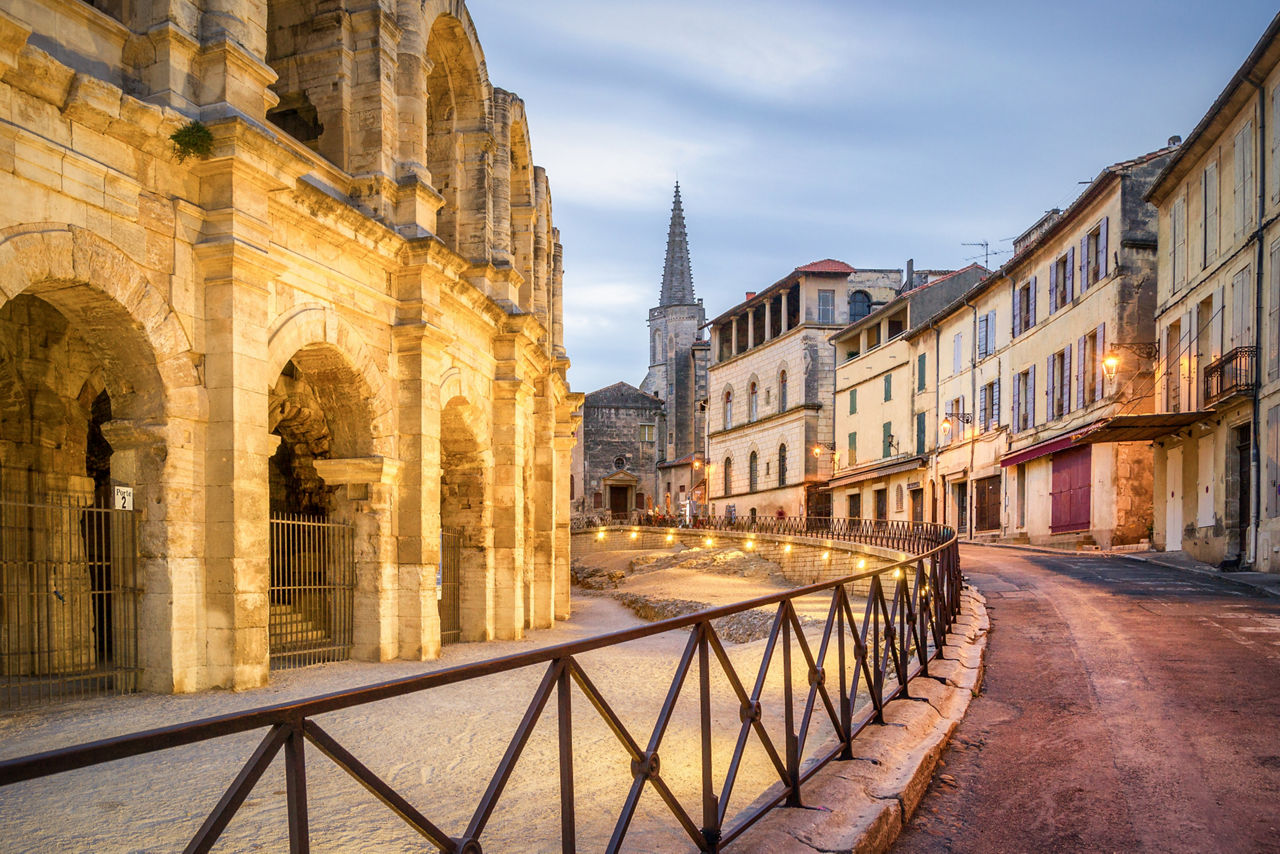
{"type": "Point", "coordinates": [677, 278]}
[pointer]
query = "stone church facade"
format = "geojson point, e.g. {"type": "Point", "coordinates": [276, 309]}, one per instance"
{"type": "Point", "coordinates": [350, 306]}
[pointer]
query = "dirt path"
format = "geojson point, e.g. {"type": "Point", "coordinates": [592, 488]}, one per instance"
{"type": "Point", "coordinates": [1126, 707]}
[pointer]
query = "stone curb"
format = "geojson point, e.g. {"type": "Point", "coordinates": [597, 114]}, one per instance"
{"type": "Point", "coordinates": [863, 804]}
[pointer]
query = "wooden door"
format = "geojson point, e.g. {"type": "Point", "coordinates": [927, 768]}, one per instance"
{"type": "Point", "coordinates": [1071, 493]}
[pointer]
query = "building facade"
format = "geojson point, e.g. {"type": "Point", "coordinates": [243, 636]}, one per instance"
{"type": "Point", "coordinates": [339, 299]}
{"type": "Point", "coordinates": [884, 431]}
{"type": "Point", "coordinates": [770, 388]}
{"type": "Point", "coordinates": [1218, 326]}
{"type": "Point", "coordinates": [1020, 385]}
{"type": "Point", "coordinates": [614, 471]}
{"type": "Point", "coordinates": [678, 356]}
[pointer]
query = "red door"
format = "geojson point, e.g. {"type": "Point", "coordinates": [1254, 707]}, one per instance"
{"type": "Point", "coordinates": [1071, 490]}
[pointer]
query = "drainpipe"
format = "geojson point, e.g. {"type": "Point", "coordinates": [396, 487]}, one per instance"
{"type": "Point", "coordinates": [973, 402]}
{"type": "Point", "coordinates": [1255, 467]}
{"type": "Point", "coordinates": [937, 407]}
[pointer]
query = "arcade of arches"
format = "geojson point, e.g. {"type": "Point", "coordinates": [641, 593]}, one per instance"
{"type": "Point", "coordinates": [336, 340]}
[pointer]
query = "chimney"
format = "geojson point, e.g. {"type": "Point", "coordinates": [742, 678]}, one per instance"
{"type": "Point", "coordinates": [1175, 140]}
{"type": "Point", "coordinates": [751, 294]}
{"type": "Point", "coordinates": [911, 275]}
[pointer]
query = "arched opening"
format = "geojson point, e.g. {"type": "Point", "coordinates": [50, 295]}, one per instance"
{"type": "Point", "coordinates": [465, 597]}
{"type": "Point", "coordinates": [523, 222]}
{"type": "Point", "coordinates": [753, 400]}
{"type": "Point", "coordinates": [859, 305]}
{"type": "Point", "coordinates": [782, 391]}
{"type": "Point", "coordinates": [455, 107]}
{"type": "Point", "coordinates": [752, 472]}
{"type": "Point", "coordinates": [728, 475]}
{"type": "Point", "coordinates": [70, 362]}
{"type": "Point", "coordinates": [310, 80]}
{"type": "Point", "coordinates": [782, 465]}
{"type": "Point", "coordinates": [326, 511]}
{"type": "Point", "coordinates": [728, 408]}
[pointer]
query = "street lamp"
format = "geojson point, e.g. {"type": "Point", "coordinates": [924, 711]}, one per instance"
{"type": "Point", "coordinates": [951, 418]}
{"type": "Point", "coordinates": [1109, 364]}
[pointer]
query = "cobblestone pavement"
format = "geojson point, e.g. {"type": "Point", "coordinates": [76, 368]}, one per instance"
{"type": "Point", "coordinates": [1126, 707]}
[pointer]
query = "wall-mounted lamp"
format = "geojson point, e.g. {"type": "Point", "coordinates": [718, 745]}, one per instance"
{"type": "Point", "coordinates": [949, 422]}
{"type": "Point", "coordinates": [1110, 363]}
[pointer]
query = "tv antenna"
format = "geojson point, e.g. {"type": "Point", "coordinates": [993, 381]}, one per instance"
{"type": "Point", "coordinates": [986, 252]}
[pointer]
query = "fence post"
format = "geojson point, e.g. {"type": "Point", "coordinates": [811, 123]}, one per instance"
{"type": "Point", "coordinates": [564, 721]}
{"type": "Point", "coordinates": [296, 790]}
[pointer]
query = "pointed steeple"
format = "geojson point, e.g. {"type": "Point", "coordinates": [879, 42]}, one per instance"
{"type": "Point", "coordinates": [677, 278]}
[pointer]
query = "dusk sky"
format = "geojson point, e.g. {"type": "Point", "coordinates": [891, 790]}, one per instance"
{"type": "Point", "coordinates": [867, 132]}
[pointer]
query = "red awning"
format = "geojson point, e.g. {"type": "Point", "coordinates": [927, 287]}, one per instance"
{"type": "Point", "coordinates": [1036, 451]}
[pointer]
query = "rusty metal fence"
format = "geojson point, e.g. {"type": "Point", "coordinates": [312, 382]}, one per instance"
{"type": "Point", "coordinates": [835, 681]}
{"type": "Point", "coordinates": [68, 600]}
{"type": "Point", "coordinates": [449, 585]}
{"type": "Point", "coordinates": [313, 579]}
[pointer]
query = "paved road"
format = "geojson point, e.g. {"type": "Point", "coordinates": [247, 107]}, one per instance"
{"type": "Point", "coordinates": [1126, 707]}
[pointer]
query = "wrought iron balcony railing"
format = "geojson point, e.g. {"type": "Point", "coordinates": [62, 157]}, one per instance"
{"type": "Point", "coordinates": [1230, 376]}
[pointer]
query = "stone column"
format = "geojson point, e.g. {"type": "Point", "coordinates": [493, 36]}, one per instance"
{"type": "Point", "coordinates": [511, 405]}
{"type": "Point", "coordinates": [768, 319]}
{"type": "Point", "coordinates": [564, 442]}
{"type": "Point", "coordinates": [733, 332]}
{"type": "Point", "coordinates": [751, 328]}
{"type": "Point", "coordinates": [545, 488]}
{"type": "Point", "coordinates": [782, 304]}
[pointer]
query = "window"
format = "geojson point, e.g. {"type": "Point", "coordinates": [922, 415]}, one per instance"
{"type": "Point", "coordinates": [853, 447]}
{"type": "Point", "coordinates": [888, 387]}
{"type": "Point", "coordinates": [920, 364]}
{"type": "Point", "coordinates": [920, 435]}
{"type": "Point", "coordinates": [753, 400]}
{"type": "Point", "coordinates": [782, 465]}
{"type": "Point", "coordinates": [859, 305]}
{"type": "Point", "coordinates": [728, 408]}
{"type": "Point", "coordinates": [897, 498]}
{"type": "Point", "coordinates": [989, 406]}
{"type": "Point", "coordinates": [728, 475]}
{"type": "Point", "coordinates": [1093, 255]}
{"type": "Point", "coordinates": [646, 432]}
{"type": "Point", "coordinates": [882, 503]}
{"type": "Point", "coordinates": [954, 407]}
{"type": "Point", "coordinates": [1059, 384]}
{"type": "Point", "coordinates": [782, 391]}
{"type": "Point", "coordinates": [854, 500]}
{"type": "Point", "coordinates": [752, 471]}
{"type": "Point", "coordinates": [597, 500]}
{"type": "Point", "coordinates": [1062, 288]}
{"type": "Point", "coordinates": [1209, 188]}
{"type": "Point", "coordinates": [640, 501]}
{"type": "Point", "coordinates": [1024, 399]}
{"type": "Point", "coordinates": [1242, 309]}
{"type": "Point", "coordinates": [1024, 307]}
{"type": "Point", "coordinates": [887, 441]}
{"type": "Point", "coordinates": [1090, 369]}
{"type": "Point", "coordinates": [957, 353]}
{"type": "Point", "coordinates": [986, 334]}
{"type": "Point", "coordinates": [853, 401]}
{"type": "Point", "coordinates": [619, 462]}
{"type": "Point", "coordinates": [826, 306]}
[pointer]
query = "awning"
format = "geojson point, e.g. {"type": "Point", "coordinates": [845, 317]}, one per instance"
{"type": "Point", "coordinates": [1139, 428]}
{"type": "Point", "coordinates": [881, 469]}
{"type": "Point", "coordinates": [1036, 451]}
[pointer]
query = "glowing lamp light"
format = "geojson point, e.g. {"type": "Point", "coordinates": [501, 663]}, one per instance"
{"type": "Point", "coordinates": [600, 535]}
{"type": "Point", "coordinates": [708, 542]}
{"type": "Point", "coordinates": [1109, 365]}
{"type": "Point", "coordinates": [633, 535]}
{"type": "Point", "coordinates": [671, 538]}
{"type": "Point", "coordinates": [862, 563]}
{"type": "Point", "coordinates": [817, 450]}
{"type": "Point", "coordinates": [751, 544]}
{"type": "Point", "coordinates": [897, 573]}
{"type": "Point", "coordinates": [787, 548]}
{"type": "Point", "coordinates": [946, 424]}
{"type": "Point", "coordinates": [826, 555]}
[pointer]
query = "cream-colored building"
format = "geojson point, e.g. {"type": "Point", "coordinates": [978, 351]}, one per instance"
{"type": "Point", "coordinates": [1020, 391]}
{"type": "Point", "coordinates": [343, 300]}
{"type": "Point", "coordinates": [884, 431]}
{"type": "Point", "coordinates": [1218, 326]}
{"type": "Point", "coordinates": [769, 389]}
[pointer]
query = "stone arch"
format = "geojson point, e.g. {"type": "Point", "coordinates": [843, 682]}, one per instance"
{"type": "Point", "coordinates": [143, 360]}
{"type": "Point", "coordinates": [726, 404]}
{"type": "Point", "coordinates": [784, 387]}
{"type": "Point", "coordinates": [311, 81]}
{"type": "Point", "coordinates": [466, 506]}
{"type": "Point", "coordinates": [524, 214]}
{"type": "Point", "coordinates": [459, 135]}
{"type": "Point", "coordinates": [322, 335]}
{"type": "Point", "coordinates": [753, 397]}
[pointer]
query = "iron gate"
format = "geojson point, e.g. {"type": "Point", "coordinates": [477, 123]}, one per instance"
{"type": "Point", "coordinates": [449, 585]}
{"type": "Point", "coordinates": [68, 600]}
{"type": "Point", "coordinates": [312, 591]}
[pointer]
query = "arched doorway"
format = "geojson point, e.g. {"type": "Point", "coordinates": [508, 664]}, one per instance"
{"type": "Point", "coordinates": [465, 590]}
{"type": "Point", "coordinates": [326, 512]}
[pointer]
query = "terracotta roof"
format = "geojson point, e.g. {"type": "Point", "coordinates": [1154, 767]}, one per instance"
{"type": "Point", "coordinates": [826, 265]}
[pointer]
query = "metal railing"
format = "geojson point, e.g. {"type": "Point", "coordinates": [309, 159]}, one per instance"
{"type": "Point", "coordinates": [68, 600]}
{"type": "Point", "coordinates": [860, 660]}
{"type": "Point", "coordinates": [1231, 375]}
{"type": "Point", "coordinates": [313, 582]}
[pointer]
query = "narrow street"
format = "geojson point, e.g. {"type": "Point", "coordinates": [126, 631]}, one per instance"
{"type": "Point", "coordinates": [1126, 707]}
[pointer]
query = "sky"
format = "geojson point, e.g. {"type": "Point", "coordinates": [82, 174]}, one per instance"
{"type": "Point", "coordinates": [869, 132]}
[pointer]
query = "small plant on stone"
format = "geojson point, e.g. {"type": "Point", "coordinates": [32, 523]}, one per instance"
{"type": "Point", "coordinates": [192, 140]}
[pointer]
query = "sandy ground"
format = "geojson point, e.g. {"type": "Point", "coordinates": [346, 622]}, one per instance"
{"type": "Point", "coordinates": [437, 748]}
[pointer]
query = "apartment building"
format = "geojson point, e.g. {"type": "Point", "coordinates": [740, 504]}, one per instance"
{"type": "Point", "coordinates": [1022, 385]}
{"type": "Point", "coordinates": [1218, 301]}
{"type": "Point", "coordinates": [770, 387]}
{"type": "Point", "coordinates": [883, 437]}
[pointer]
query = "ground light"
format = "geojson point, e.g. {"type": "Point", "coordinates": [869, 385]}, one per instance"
{"type": "Point", "coordinates": [600, 534]}
{"type": "Point", "coordinates": [634, 535]}
{"type": "Point", "coordinates": [826, 555]}
{"type": "Point", "coordinates": [671, 538]}
{"type": "Point", "coordinates": [708, 542]}
{"type": "Point", "coordinates": [751, 544]}
{"type": "Point", "coordinates": [862, 563]}
{"type": "Point", "coordinates": [787, 548]}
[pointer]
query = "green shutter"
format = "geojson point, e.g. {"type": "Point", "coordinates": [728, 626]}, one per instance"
{"type": "Point", "coordinates": [888, 432]}
{"type": "Point", "coordinates": [888, 387]}
{"type": "Point", "coordinates": [853, 448]}
{"type": "Point", "coordinates": [920, 372]}
{"type": "Point", "coordinates": [853, 401]}
{"type": "Point", "coordinates": [920, 433]}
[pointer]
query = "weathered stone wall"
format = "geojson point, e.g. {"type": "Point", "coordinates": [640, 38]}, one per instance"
{"type": "Point", "coordinates": [368, 248]}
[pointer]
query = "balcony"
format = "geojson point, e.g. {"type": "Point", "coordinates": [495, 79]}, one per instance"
{"type": "Point", "coordinates": [1231, 376]}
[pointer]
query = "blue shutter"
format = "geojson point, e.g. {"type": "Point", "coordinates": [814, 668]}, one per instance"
{"type": "Point", "coordinates": [1067, 366]}
{"type": "Point", "coordinates": [1102, 349]}
{"type": "Point", "coordinates": [1103, 261]}
{"type": "Point", "coordinates": [1053, 288]}
{"type": "Point", "coordinates": [1050, 390]}
{"type": "Point", "coordinates": [1071, 274]}
{"type": "Point", "coordinates": [1032, 312]}
{"type": "Point", "coordinates": [1017, 309]}
{"type": "Point", "coordinates": [1082, 371]}
{"type": "Point", "coordinates": [982, 336]}
{"type": "Point", "coordinates": [995, 404]}
{"type": "Point", "coordinates": [1031, 397]}
{"type": "Point", "coordinates": [1084, 263]}
{"type": "Point", "coordinates": [982, 409]}
{"type": "Point", "coordinates": [1016, 421]}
